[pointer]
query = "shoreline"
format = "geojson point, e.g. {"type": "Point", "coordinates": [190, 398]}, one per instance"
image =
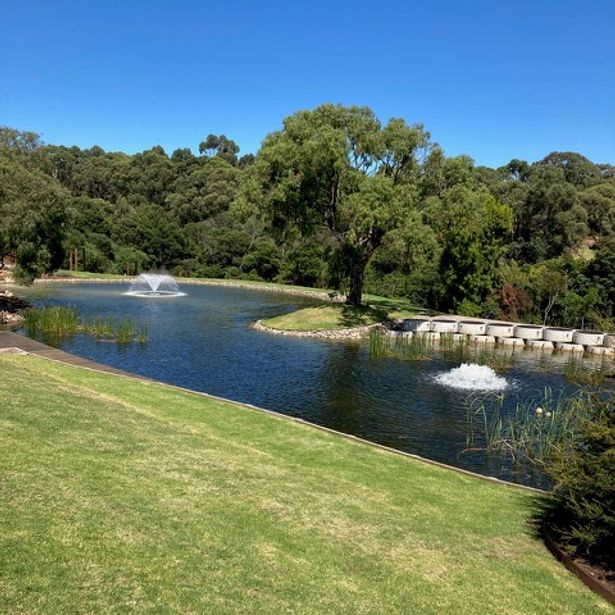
{"type": "Point", "coordinates": [351, 333]}
{"type": "Point", "coordinates": [325, 295]}
{"type": "Point", "coordinates": [13, 342]}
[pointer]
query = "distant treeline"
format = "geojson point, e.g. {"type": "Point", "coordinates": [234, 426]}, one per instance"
{"type": "Point", "coordinates": [333, 199]}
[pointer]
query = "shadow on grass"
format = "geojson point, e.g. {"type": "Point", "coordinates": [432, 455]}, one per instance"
{"type": "Point", "coordinates": [546, 524]}
{"type": "Point", "coordinates": [352, 316]}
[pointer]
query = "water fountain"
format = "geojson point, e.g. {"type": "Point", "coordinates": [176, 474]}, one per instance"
{"type": "Point", "coordinates": [470, 376]}
{"type": "Point", "coordinates": [154, 285]}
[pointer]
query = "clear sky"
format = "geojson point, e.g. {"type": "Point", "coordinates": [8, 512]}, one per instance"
{"type": "Point", "coordinates": [496, 80]}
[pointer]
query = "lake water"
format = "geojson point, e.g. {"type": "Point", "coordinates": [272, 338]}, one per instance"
{"type": "Point", "coordinates": [204, 341]}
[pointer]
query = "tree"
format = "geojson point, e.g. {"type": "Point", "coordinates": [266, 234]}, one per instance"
{"type": "Point", "coordinates": [32, 217]}
{"type": "Point", "coordinates": [220, 145]}
{"type": "Point", "coordinates": [473, 229]}
{"type": "Point", "coordinates": [602, 272]}
{"type": "Point", "coordinates": [599, 202]}
{"type": "Point", "coordinates": [338, 168]}
{"type": "Point", "coordinates": [583, 511]}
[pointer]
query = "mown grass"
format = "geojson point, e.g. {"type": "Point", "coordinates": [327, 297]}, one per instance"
{"type": "Point", "coordinates": [127, 497]}
{"type": "Point", "coordinates": [333, 316]}
{"type": "Point", "coordinates": [326, 317]}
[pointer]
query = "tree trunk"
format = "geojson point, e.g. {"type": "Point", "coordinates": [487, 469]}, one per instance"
{"type": "Point", "coordinates": [356, 275]}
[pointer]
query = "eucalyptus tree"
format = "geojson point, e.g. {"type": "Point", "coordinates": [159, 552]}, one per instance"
{"type": "Point", "coordinates": [338, 168]}
{"type": "Point", "coordinates": [32, 218]}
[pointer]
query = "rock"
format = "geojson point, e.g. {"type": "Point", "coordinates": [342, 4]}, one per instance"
{"type": "Point", "coordinates": [11, 308]}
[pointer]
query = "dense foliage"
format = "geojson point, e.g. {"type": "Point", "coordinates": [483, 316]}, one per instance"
{"type": "Point", "coordinates": [584, 513]}
{"type": "Point", "coordinates": [333, 199]}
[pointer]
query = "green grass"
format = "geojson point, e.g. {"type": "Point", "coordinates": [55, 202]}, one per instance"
{"type": "Point", "coordinates": [325, 318]}
{"type": "Point", "coordinates": [333, 316]}
{"type": "Point", "coordinates": [118, 496]}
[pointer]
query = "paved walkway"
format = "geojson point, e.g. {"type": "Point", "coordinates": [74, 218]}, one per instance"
{"type": "Point", "coordinates": [9, 339]}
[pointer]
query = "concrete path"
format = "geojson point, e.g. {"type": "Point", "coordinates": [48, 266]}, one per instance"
{"type": "Point", "coordinates": [9, 339]}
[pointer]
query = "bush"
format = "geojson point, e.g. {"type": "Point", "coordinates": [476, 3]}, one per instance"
{"type": "Point", "coordinates": [584, 512]}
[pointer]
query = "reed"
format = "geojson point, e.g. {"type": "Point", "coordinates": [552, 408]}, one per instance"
{"type": "Point", "coordinates": [534, 432]}
{"type": "Point", "coordinates": [142, 334]}
{"type": "Point", "coordinates": [125, 331]}
{"type": "Point", "coordinates": [575, 371]}
{"type": "Point", "coordinates": [52, 321]}
{"type": "Point", "coordinates": [101, 327]}
{"type": "Point", "coordinates": [409, 348]}
{"type": "Point", "coordinates": [58, 322]}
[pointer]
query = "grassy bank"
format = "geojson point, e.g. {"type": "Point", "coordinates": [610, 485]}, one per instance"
{"type": "Point", "coordinates": [325, 318]}
{"type": "Point", "coordinates": [334, 316]}
{"type": "Point", "coordinates": [123, 496]}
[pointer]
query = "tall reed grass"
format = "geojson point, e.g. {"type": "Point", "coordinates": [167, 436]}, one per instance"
{"type": "Point", "coordinates": [533, 432]}
{"type": "Point", "coordinates": [53, 321]}
{"type": "Point", "coordinates": [58, 322]}
{"type": "Point", "coordinates": [406, 347]}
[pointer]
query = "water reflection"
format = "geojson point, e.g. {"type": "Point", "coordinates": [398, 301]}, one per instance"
{"type": "Point", "coordinates": [203, 341]}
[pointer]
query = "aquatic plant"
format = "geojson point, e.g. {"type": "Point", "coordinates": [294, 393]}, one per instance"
{"type": "Point", "coordinates": [58, 322]}
{"type": "Point", "coordinates": [409, 347]}
{"type": "Point", "coordinates": [534, 432]}
{"type": "Point", "coordinates": [578, 372]}
{"type": "Point", "coordinates": [499, 362]}
{"type": "Point", "coordinates": [52, 321]}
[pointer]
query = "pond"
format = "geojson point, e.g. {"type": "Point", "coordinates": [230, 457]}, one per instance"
{"type": "Point", "coordinates": [203, 341]}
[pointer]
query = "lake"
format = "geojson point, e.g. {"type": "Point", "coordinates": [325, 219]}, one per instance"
{"type": "Point", "coordinates": [203, 341]}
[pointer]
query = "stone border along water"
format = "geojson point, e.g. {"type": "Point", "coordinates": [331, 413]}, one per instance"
{"type": "Point", "coordinates": [491, 332]}
{"type": "Point", "coordinates": [353, 333]}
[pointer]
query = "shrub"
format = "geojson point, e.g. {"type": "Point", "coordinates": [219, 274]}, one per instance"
{"type": "Point", "coordinates": [584, 511]}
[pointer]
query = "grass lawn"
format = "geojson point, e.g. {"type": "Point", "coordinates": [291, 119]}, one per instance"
{"type": "Point", "coordinates": [118, 496]}
{"type": "Point", "coordinates": [325, 318]}
{"type": "Point", "coordinates": [332, 316]}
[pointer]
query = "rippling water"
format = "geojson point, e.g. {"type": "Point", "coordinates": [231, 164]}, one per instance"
{"type": "Point", "coordinates": [203, 341]}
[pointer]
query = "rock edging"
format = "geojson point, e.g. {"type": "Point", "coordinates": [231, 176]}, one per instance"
{"type": "Point", "coordinates": [333, 334]}
{"type": "Point", "coordinates": [11, 308]}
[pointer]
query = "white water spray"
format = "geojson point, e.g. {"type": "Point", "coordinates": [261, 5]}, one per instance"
{"type": "Point", "coordinates": [470, 376]}
{"type": "Point", "coordinates": [154, 285]}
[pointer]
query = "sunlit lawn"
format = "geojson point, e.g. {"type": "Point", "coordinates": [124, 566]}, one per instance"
{"type": "Point", "coordinates": [119, 496]}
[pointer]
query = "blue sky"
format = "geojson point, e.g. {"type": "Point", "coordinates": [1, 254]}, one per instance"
{"type": "Point", "coordinates": [495, 80]}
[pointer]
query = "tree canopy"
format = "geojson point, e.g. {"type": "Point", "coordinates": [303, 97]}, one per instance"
{"type": "Point", "coordinates": [335, 198]}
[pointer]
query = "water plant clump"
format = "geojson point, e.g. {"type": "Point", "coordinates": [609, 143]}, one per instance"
{"type": "Point", "coordinates": [58, 322]}
{"type": "Point", "coordinates": [533, 433]}
{"type": "Point", "coordinates": [406, 347]}
{"type": "Point", "coordinates": [578, 372]}
{"type": "Point", "coordinates": [53, 321]}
